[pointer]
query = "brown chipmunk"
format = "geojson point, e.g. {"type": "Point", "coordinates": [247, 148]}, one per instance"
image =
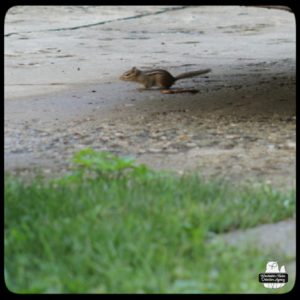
{"type": "Point", "coordinates": [161, 78]}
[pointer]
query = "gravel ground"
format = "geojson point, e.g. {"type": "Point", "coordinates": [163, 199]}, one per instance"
{"type": "Point", "coordinates": [241, 131]}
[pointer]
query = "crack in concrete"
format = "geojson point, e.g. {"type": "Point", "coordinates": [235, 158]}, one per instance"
{"type": "Point", "coordinates": [102, 22]}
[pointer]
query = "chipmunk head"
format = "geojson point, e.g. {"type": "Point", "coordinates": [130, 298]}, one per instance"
{"type": "Point", "coordinates": [130, 75]}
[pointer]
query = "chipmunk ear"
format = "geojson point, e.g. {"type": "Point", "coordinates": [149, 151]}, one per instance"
{"type": "Point", "coordinates": [135, 70]}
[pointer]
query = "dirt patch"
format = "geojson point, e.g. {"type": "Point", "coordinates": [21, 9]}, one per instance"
{"type": "Point", "coordinates": [243, 131]}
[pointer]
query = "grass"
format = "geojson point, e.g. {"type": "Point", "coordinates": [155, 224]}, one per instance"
{"type": "Point", "coordinates": [112, 226]}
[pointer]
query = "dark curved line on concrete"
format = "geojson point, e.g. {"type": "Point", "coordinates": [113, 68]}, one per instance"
{"type": "Point", "coordinates": [101, 23]}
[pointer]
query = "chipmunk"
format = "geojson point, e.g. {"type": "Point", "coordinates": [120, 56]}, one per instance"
{"type": "Point", "coordinates": [157, 77]}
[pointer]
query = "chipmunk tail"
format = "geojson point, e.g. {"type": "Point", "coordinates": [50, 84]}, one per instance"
{"type": "Point", "coordinates": [192, 74]}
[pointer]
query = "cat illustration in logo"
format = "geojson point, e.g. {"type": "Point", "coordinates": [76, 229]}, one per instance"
{"type": "Point", "coordinates": [272, 267]}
